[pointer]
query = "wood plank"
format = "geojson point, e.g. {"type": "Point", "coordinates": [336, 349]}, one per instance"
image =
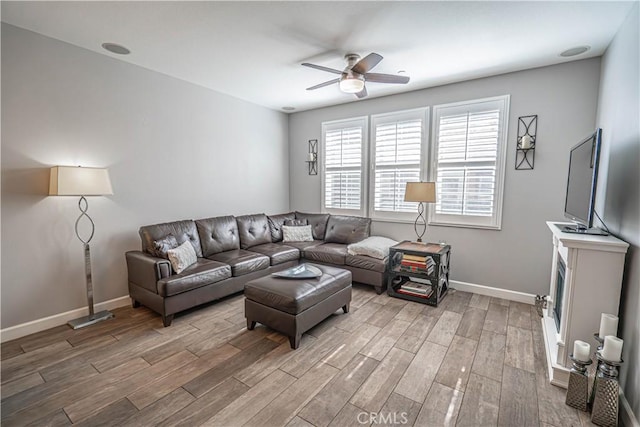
{"type": "Point", "coordinates": [409, 312]}
{"type": "Point", "coordinates": [329, 401]}
{"type": "Point", "coordinates": [519, 349]}
{"type": "Point", "coordinates": [263, 367]}
{"type": "Point", "coordinates": [519, 315]}
{"type": "Point", "coordinates": [211, 378]}
{"type": "Point", "coordinates": [113, 415]}
{"type": "Point", "coordinates": [375, 391]}
{"type": "Point", "coordinates": [21, 384]}
{"type": "Point", "coordinates": [479, 301]}
{"type": "Point", "coordinates": [10, 349]}
{"type": "Point", "coordinates": [490, 355]}
{"type": "Point", "coordinates": [500, 301]}
{"type": "Point", "coordinates": [481, 403]}
{"type": "Point", "coordinates": [247, 338]}
{"type": "Point", "coordinates": [70, 367]}
{"type": "Point", "coordinates": [353, 320]}
{"type": "Point", "coordinates": [157, 388]}
{"type": "Point", "coordinates": [55, 419]}
{"type": "Point", "coordinates": [160, 410]}
{"type": "Point", "coordinates": [101, 397]}
{"type": "Point", "coordinates": [298, 422]}
{"type": "Point", "coordinates": [208, 405]}
{"type": "Point", "coordinates": [457, 301]}
{"type": "Point", "coordinates": [446, 327]}
{"type": "Point", "coordinates": [496, 320]}
{"type": "Point", "coordinates": [27, 363]}
{"type": "Point", "coordinates": [205, 340]}
{"type": "Point", "coordinates": [383, 342]}
{"type": "Point", "coordinates": [350, 416]}
{"type": "Point", "coordinates": [518, 401]}
{"type": "Point", "coordinates": [417, 379]}
{"type": "Point", "coordinates": [351, 346]}
{"type": "Point", "coordinates": [397, 410]}
{"type": "Point", "coordinates": [456, 366]}
{"type": "Point", "coordinates": [441, 406]}
{"type": "Point", "coordinates": [305, 357]}
{"type": "Point", "coordinates": [383, 316]}
{"type": "Point", "coordinates": [243, 409]}
{"type": "Point", "coordinates": [411, 340]}
{"type": "Point", "coordinates": [284, 407]}
{"type": "Point", "coordinates": [471, 323]}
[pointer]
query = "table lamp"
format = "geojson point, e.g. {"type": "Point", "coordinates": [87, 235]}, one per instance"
{"type": "Point", "coordinates": [421, 192]}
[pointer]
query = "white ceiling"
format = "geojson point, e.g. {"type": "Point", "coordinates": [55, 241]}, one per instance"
{"type": "Point", "coordinates": [253, 50]}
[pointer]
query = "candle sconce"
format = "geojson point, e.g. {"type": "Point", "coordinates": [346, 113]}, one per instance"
{"type": "Point", "coordinates": [526, 144]}
{"type": "Point", "coordinates": [312, 157]}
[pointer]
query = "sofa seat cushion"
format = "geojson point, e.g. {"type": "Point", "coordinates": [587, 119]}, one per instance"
{"type": "Point", "coordinates": [277, 253]}
{"type": "Point", "coordinates": [330, 253]}
{"type": "Point", "coordinates": [203, 272]}
{"type": "Point", "coordinates": [302, 246]}
{"type": "Point", "coordinates": [295, 296]}
{"type": "Point", "coordinates": [242, 262]}
{"type": "Point", "coordinates": [366, 262]}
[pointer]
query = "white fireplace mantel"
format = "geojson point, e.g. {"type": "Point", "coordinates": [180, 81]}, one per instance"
{"type": "Point", "coordinates": [592, 284]}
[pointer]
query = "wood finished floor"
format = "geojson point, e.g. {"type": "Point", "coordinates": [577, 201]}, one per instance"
{"type": "Point", "coordinates": [473, 361]}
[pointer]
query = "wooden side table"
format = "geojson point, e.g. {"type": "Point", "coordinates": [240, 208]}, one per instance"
{"type": "Point", "coordinates": [419, 272]}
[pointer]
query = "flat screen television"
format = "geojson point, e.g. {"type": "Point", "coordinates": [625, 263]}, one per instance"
{"type": "Point", "coordinates": [581, 185]}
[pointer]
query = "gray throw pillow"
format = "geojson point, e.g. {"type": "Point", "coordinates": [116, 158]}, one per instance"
{"type": "Point", "coordinates": [182, 257]}
{"type": "Point", "coordinates": [162, 246]}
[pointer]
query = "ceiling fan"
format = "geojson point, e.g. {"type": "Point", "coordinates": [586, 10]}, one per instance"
{"type": "Point", "coordinates": [356, 73]}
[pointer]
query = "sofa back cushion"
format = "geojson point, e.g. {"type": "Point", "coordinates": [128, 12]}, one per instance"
{"type": "Point", "coordinates": [182, 230]}
{"type": "Point", "coordinates": [318, 223]}
{"type": "Point", "coordinates": [275, 225]}
{"type": "Point", "coordinates": [218, 234]}
{"type": "Point", "coordinates": [253, 230]}
{"type": "Point", "coordinates": [347, 229]}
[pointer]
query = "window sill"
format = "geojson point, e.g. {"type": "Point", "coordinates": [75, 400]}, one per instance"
{"type": "Point", "coordinates": [458, 225]}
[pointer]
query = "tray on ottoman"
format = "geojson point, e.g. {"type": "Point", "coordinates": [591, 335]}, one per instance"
{"type": "Point", "coordinates": [293, 306]}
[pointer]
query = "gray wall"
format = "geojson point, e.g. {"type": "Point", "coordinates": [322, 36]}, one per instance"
{"type": "Point", "coordinates": [618, 194]}
{"type": "Point", "coordinates": [175, 151]}
{"type": "Point", "coordinates": [519, 256]}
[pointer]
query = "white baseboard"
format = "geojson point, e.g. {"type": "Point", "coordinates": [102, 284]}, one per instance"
{"type": "Point", "coordinates": [626, 413]}
{"type": "Point", "coordinates": [493, 292]}
{"type": "Point", "coordinates": [38, 325]}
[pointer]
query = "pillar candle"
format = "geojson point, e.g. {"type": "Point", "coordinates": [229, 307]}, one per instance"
{"type": "Point", "coordinates": [525, 142]}
{"type": "Point", "coordinates": [612, 350]}
{"type": "Point", "coordinates": [581, 351]}
{"type": "Point", "coordinates": [311, 157]}
{"type": "Point", "coordinates": [608, 325]}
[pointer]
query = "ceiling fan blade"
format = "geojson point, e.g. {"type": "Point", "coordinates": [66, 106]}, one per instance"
{"type": "Point", "coordinates": [321, 68]}
{"type": "Point", "coordinates": [367, 63]}
{"type": "Point", "coordinates": [362, 93]}
{"type": "Point", "coordinates": [330, 82]}
{"type": "Point", "coordinates": [386, 78]}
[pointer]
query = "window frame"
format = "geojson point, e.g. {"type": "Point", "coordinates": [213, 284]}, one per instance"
{"type": "Point", "coordinates": [493, 222]}
{"type": "Point", "coordinates": [362, 121]}
{"type": "Point", "coordinates": [391, 117]}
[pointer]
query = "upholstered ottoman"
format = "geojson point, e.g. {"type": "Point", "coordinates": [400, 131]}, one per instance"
{"type": "Point", "coordinates": [293, 306]}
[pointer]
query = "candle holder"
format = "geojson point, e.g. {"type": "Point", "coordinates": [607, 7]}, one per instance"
{"type": "Point", "coordinates": [606, 390]}
{"type": "Point", "coordinates": [599, 348]}
{"type": "Point", "coordinates": [578, 389]}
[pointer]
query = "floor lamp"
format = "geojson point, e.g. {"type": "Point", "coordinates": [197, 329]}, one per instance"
{"type": "Point", "coordinates": [421, 192]}
{"type": "Point", "coordinates": [79, 181]}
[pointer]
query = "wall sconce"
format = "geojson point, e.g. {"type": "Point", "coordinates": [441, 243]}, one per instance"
{"type": "Point", "coordinates": [312, 157]}
{"type": "Point", "coordinates": [526, 144]}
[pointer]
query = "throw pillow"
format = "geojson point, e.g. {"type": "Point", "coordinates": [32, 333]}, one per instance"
{"type": "Point", "coordinates": [160, 247]}
{"type": "Point", "coordinates": [296, 222]}
{"type": "Point", "coordinates": [300, 233]}
{"type": "Point", "coordinates": [374, 246]}
{"type": "Point", "coordinates": [182, 257]}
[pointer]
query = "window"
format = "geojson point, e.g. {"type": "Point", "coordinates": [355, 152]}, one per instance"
{"type": "Point", "coordinates": [397, 157]}
{"type": "Point", "coordinates": [343, 166]}
{"type": "Point", "coordinates": [467, 163]}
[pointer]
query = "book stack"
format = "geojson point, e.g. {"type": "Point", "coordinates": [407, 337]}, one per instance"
{"type": "Point", "coordinates": [415, 289]}
{"type": "Point", "coordinates": [417, 264]}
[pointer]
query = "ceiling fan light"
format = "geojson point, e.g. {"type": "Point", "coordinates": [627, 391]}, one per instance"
{"type": "Point", "coordinates": [352, 85]}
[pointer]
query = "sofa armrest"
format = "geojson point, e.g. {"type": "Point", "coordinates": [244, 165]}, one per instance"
{"type": "Point", "coordinates": [145, 270]}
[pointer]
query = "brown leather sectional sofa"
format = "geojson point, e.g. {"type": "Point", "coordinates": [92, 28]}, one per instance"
{"type": "Point", "coordinates": [234, 250]}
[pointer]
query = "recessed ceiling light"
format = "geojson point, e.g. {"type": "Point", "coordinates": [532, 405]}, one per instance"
{"type": "Point", "coordinates": [288, 108]}
{"type": "Point", "coordinates": [116, 48]}
{"type": "Point", "coordinates": [574, 51]}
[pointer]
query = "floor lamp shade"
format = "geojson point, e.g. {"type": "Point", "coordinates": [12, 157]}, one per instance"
{"type": "Point", "coordinates": [421, 192]}
{"type": "Point", "coordinates": [79, 181]}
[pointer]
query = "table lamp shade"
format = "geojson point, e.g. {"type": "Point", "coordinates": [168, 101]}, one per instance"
{"type": "Point", "coordinates": [79, 181]}
{"type": "Point", "coordinates": [420, 192]}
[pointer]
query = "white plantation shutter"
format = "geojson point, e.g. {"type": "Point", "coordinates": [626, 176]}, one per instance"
{"type": "Point", "coordinates": [343, 165]}
{"type": "Point", "coordinates": [398, 141]}
{"type": "Point", "coordinates": [469, 147]}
